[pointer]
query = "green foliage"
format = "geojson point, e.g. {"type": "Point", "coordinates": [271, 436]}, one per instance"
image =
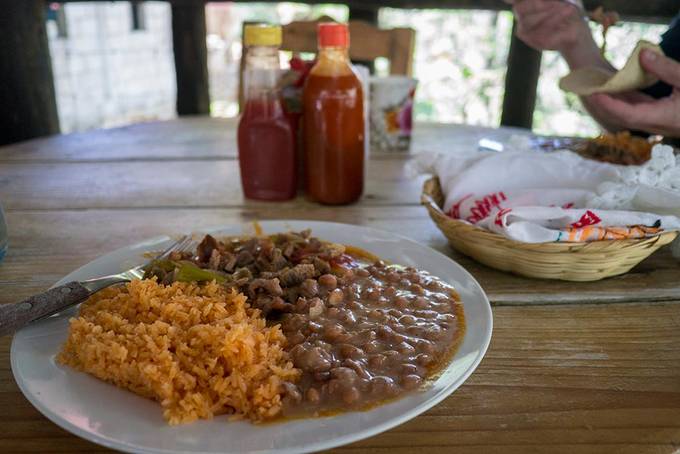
{"type": "Point", "coordinates": [460, 60]}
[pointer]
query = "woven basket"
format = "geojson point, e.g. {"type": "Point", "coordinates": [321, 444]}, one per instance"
{"type": "Point", "coordinates": [590, 261]}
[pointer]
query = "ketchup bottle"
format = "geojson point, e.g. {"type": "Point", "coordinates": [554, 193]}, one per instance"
{"type": "Point", "coordinates": [333, 122]}
{"type": "Point", "coordinates": [266, 142]}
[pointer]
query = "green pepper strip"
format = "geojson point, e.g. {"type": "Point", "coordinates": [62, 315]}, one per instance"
{"type": "Point", "coordinates": [190, 272]}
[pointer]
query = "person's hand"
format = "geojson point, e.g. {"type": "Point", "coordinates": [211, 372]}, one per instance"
{"type": "Point", "coordinates": [641, 112]}
{"type": "Point", "coordinates": [558, 25]}
{"type": "Point", "coordinates": [550, 24]}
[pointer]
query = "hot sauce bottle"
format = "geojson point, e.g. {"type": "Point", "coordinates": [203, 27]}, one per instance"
{"type": "Point", "coordinates": [333, 122]}
{"type": "Point", "coordinates": [266, 142]}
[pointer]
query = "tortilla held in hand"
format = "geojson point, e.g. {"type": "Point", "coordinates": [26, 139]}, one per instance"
{"type": "Point", "coordinates": [586, 81]}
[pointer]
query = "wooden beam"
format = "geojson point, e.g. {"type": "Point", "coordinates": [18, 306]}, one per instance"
{"type": "Point", "coordinates": [521, 81]}
{"type": "Point", "coordinates": [660, 11]}
{"type": "Point", "coordinates": [655, 11]}
{"type": "Point", "coordinates": [29, 107]}
{"type": "Point", "coordinates": [366, 13]}
{"type": "Point", "coordinates": [191, 58]}
{"type": "Point", "coordinates": [635, 10]}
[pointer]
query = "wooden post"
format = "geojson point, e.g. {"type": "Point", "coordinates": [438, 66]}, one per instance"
{"type": "Point", "coordinates": [29, 106]}
{"type": "Point", "coordinates": [191, 57]}
{"type": "Point", "coordinates": [521, 81]}
{"type": "Point", "coordinates": [368, 14]}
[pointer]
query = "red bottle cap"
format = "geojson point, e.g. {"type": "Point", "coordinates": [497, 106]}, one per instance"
{"type": "Point", "coordinates": [332, 34]}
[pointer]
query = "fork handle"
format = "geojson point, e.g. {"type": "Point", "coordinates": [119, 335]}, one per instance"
{"type": "Point", "coordinates": [17, 315]}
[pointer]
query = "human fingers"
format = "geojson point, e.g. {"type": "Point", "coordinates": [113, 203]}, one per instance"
{"type": "Point", "coordinates": [533, 21]}
{"type": "Point", "coordinates": [612, 110]}
{"type": "Point", "coordinates": [526, 8]}
{"type": "Point", "coordinates": [634, 97]}
{"type": "Point", "coordinates": [661, 66]}
{"type": "Point", "coordinates": [561, 13]}
{"type": "Point", "coordinates": [658, 116]}
{"type": "Point", "coordinates": [550, 32]}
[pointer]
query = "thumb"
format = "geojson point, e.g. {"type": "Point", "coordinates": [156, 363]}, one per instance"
{"type": "Point", "coordinates": [661, 66]}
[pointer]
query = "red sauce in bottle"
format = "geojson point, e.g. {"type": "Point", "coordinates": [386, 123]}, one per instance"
{"type": "Point", "coordinates": [266, 151]}
{"type": "Point", "coordinates": [266, 142]}
{"type": "Point", "coordinates": [333, 122]}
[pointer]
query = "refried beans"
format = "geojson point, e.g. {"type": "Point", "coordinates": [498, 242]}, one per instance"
{"type": "Point", "coordinates": [360, 330]}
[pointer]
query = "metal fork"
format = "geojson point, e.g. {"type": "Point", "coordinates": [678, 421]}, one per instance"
{"type": "Point", "coordinates": [17, 315]}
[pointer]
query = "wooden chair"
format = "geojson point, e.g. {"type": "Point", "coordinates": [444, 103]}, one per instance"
{"type": "Point", "coordinates": [367, 42]}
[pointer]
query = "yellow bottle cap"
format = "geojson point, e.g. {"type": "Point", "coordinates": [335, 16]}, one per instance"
{"type": "Point", "coordinates": [262, 35]}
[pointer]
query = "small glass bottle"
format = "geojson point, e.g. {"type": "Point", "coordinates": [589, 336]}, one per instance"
{"type": "Point", "coordinates": [266, 143]}
{"type": "Point", "coordinates": [333, 121]}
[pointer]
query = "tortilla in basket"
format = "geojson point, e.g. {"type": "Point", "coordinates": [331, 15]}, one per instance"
{"type": "Point", "coordinates": [586, 81]}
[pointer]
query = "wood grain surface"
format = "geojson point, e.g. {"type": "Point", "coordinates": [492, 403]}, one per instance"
{"type": "Point", "coordinates": [45, 245]}
{"type": "Point", "coordinates": [201, 138]}
{"type": "Point", "coordinates": [562, 375]}
{"type": "Point", "coordinates": [564, 379]}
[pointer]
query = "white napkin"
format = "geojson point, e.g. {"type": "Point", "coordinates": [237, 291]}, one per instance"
{"type": "Point", "coordinates": [537, 197]}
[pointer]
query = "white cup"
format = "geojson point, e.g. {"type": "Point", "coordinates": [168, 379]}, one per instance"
{"type": "Point", "coordinates": [391, 112]}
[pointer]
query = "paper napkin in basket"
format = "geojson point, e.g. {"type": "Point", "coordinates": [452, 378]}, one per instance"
{"type": "Point", "coordinates": [537, 197]}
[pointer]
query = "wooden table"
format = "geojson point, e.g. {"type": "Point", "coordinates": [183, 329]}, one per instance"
{"type": "Point", "coordinates": [572, 367]}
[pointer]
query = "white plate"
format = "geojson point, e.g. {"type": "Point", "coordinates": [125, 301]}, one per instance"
{"type": "Point", "coordinates": [112, 417]}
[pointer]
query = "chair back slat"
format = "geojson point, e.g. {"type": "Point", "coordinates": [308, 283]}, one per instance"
{"type": "Point", "coordinates": [368, 42]}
